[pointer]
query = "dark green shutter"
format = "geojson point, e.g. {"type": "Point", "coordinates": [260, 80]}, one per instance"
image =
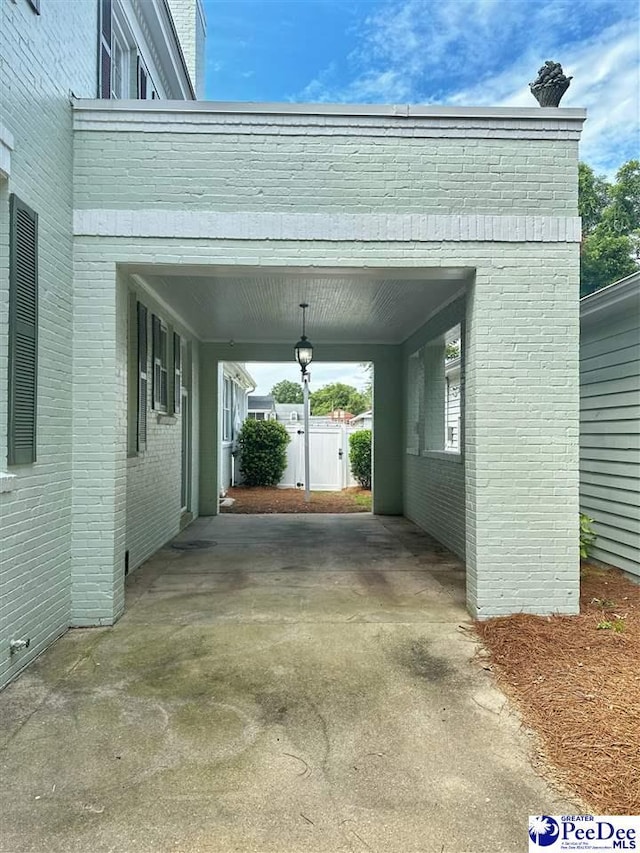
{"type": "Point", "coordinates": [141, 438]}
{"type": "Point", "coordinates": [104, 49]}
{"type": "Point", "coordinates": [23, 332]}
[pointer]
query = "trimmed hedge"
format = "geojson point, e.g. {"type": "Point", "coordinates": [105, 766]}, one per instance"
{"type": "Point", "coordinates": [360, 456]}
{"type": "Point", "coordinates": [263, 456]}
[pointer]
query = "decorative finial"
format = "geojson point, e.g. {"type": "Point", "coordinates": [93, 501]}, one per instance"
{"type": "Point", "coordinates": [550, 84]}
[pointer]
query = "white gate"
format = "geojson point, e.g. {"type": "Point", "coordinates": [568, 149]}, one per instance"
{"type": "Point", "coordinates": [328, 458]}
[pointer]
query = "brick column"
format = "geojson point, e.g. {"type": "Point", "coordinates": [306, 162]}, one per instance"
{"type": "Point", "coordinates": [99, 442]}
{"type": "Point", "coordinates": [521, 442]}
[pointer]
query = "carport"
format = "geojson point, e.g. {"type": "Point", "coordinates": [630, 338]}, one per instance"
{"type": "Point", "coordinates": [213, 222]}
{"type": "Point", "coordinates": [321, 697]}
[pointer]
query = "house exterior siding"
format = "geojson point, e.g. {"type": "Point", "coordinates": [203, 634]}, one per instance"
{"type": "Point", "coordinates": [610, 421]}
{"type": "Point", "coordinates": [48, 579]}
{"type": "Point", "coordinates": [35, 511]}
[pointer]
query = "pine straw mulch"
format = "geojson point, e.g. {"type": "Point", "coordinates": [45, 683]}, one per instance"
{"type": "Point", "coordinates": [578, 686]}
{"type": "Point", "coordinates": [258, 499]}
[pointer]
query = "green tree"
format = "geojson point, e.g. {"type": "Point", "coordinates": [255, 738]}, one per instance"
{"type": "Point", "coordinates": [610, 226]}
{"type": "Point", "coordinates": [286, 391]}
{"type": "Point", "coordinates": [263, 456]}
{"type": "Point", "coordinates": [603, 260]}
{"type": "Point", "coordinates": [593, 197]}
{"type": "Point", "coordinates": [338, 396]}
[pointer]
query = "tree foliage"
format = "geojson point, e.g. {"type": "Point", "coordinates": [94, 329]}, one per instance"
{"type": "Point", "coordinates": [286, 391]}
{"type": "Point", "coordinates": [360, 456]}
{"type": "Point", "coordinates": [610, 225]}
{"type": "Point", "coordinates": [263, 456]}
{"type": "Point", "coordinates": [338, 396]}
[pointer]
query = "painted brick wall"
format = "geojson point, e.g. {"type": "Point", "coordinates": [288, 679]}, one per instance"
{"type": "Point", "coordinates": [249, 172]}
{"type": "Point", "coordinates": [434, 484]}
{"type": "Point", "coordinates": [154, 475]}
{"type": "Point", "coordinates": [42, 59]}
{"type": "Point", "coordinates": [188, 17]}
{"type": "Point", "coordinates": [521, 421]}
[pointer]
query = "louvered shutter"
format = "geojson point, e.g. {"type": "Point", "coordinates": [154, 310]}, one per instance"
{"type": "Point", "coordinates": [142, 80]}
{"type": "Point", "coordinates": [23, 333]}
{"type": "Point", "coordinates": [141, 438]}
{"type": "Point", "coordinates": [104, 44]}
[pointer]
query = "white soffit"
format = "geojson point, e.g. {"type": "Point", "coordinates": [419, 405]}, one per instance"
{"type": "Point", "coordinates": [263, 306]}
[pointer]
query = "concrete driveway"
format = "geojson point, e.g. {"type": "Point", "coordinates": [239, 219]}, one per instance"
{"type": "Point", "coordinates": [281, 684]}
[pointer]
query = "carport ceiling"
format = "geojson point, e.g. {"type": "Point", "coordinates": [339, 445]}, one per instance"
{"type": "Point", "coordinates": [373, 306]}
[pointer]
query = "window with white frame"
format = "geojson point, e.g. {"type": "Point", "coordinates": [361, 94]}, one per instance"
{"type": "Point", "coordinates": [159, 345]}
{"type": "Point", "coordinates": [227, 410]}
{"type": "Point", "coordinates": [434, 396]}
{"type": "Point", "coordinates": [453, 387]}
{"type": "Point", "coordinates": [178, 361]}
{"type": "Point", "coordinates": [415, 402]}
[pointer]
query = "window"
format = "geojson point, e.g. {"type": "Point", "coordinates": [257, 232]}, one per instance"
{"type": "Point", "coordinates": [177, 372]}
{"type": "Point", "coordinates": [23, 332]}
{"type": "Point", "coordinates": [120, 73]}
{"type": "Point", "coordinates": [227, 410]}
{"type": "Point", "coordinates": [141, 410]}
{"type": "Point", "coordinates": [434, 395]}
{"type": "Point", "coordinates": [119, 76]}
{"type": "Point", "coordinates": [452, 355]}
{"type": "Point", "coordinates": [159, 339]}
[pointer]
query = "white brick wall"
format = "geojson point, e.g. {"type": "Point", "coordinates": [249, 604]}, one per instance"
{"type": "Point", "coordinates": [434, 486]}
{"type": "Point", "coordinates": [188, 17]}
{"type": "Point", "coordinates": [42, 59]}
{"type": "Point", "coordinates": [317, 174]}
{"type": "Point", "coordinates": [154, 474]}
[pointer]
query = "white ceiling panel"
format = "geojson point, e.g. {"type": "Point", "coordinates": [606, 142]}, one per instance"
{"type": "Point", "coordinates": [344, 306]}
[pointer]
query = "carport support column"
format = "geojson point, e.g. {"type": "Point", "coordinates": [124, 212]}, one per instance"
{"type": "Point", "coordinates": [209, 430]}
{"type": "Point", "coordinates": [99, 441]}
{"type": "Point", "coordinates": [388, 438]}
{"type": "Point", "coordinates": [521, 436]}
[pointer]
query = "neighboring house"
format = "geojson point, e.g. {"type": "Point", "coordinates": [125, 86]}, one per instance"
{"type": "Point", "coordinates": [261, 408]}
{"type": "Point", "coordinates": [610, 420]}
{"type": "Point", "coordinates": [363, 421]}
{"type": "Point", "coordinates": [146, 240]}
{"type": "Point", "coordinates": [289, 413]}
{"type": "Point", "coordinates": [234, 399]}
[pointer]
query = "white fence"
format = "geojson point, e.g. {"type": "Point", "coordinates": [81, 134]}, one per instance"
{"type": "Point", "coordinates": [330, 470]}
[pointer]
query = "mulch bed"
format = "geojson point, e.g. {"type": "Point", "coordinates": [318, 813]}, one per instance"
{"type": "Point", "coordinates": [576, 682]}
{"type": "Point", "coordinates": [259, 499]}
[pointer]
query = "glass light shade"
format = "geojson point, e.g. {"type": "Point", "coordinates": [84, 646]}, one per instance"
{"type": "Point", "coordinates": [304, 352]}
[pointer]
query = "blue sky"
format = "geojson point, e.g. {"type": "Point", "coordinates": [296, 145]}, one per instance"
{"type": "Point", "coordinates": [459, 52]}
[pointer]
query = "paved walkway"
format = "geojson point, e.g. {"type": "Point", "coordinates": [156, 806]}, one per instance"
{"type": "Point", "coordinates": [280, 684]}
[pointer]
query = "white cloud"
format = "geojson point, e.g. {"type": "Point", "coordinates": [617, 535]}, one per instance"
{"type": "Point", "coordinates": [480, 52]}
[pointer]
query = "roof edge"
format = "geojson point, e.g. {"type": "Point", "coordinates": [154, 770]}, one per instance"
{"type": "Point", "coordinates": [398, 111]}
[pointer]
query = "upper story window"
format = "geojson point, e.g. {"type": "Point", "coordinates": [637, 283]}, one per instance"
{"type": "Point", "coordinates": [122, 70]}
